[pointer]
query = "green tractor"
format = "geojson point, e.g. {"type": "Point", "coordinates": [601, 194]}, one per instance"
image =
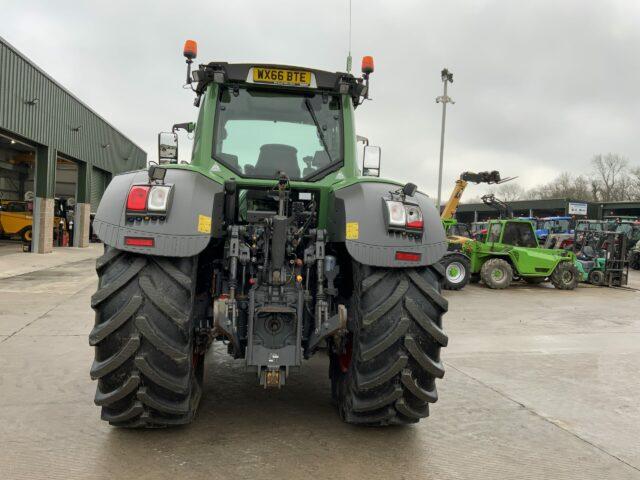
{"type": "Point", "coordinates": [456, 264]}
{"type": "Point", "coordinates": [274, 242]}
{"type": "Point", "coordinates": [510, 249]}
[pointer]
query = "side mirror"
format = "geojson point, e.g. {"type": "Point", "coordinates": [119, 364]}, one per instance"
{"type": "Point", "coordinates": [167, 147]}
{"type": "Point", "coordinates": [371, 161]}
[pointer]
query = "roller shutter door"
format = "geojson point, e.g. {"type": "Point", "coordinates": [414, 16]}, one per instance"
{"type": "Point", "coordinates": [99, 180]}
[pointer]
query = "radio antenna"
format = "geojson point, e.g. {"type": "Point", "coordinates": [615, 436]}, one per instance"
{"type": "Point", "coordinates": [349, 56]}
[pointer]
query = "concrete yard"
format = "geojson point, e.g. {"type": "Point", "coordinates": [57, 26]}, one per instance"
{"type": "Point", "coordinates": [540, 384]}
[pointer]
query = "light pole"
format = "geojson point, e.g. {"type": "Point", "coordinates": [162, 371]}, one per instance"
{"type": "Point", "coordinates": [447, 77]}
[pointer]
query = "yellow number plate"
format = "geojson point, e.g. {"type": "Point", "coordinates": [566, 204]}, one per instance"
{"type": "Point", "coordinates": [281, 77]}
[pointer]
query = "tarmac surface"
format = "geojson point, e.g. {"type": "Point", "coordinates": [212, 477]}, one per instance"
{"type": "Point", "coordinates": [8, 247]}
{"type": "Point", "coordinates": [540, 384]}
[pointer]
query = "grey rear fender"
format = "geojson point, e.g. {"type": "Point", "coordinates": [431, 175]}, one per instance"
{"type": "Point", "coordinates": [357, 218]}
{"type": "Point", "coordinates": [186, 230]}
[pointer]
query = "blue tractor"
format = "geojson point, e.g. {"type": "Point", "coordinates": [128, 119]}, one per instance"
{"type": "Point", "coordinates": [549, 225]}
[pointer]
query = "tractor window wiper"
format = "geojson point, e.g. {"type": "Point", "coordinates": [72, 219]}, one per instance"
{"type": "Point", "coordinates": [320, 132]}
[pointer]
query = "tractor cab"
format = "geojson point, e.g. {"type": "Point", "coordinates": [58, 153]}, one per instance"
{"type": "Point", "coordinates": [590, 225]}
{"type": "Point", "coordinates": [514, 232]}
{"type": "Point", "coordinates": [264, 121]}
{"type": "Point", "coordinates": [549, 225]}
{"type": "Point", "coordinates": [260, 132]}
{"type": "Point", "coordinates": [631, 230]}
{"type": "Point", "coordinates": [458, 230]}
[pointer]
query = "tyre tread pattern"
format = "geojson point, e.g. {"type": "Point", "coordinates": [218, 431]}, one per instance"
{"type": "Point", "coordinates": [556, 276]}
{"type": "Point", "coordinates": [119, 393]}
{"type": "Point", "coordinates": [161, 302]}
{"type": "Point", "coordinates": [487, 268]}
{"type": "Point", "coordinates": [104, 329]}
{"type": "Point", "coordinates": [108, 365]}
{"type": "Point", "coordinates": [397, 336]}
{"type": "Point", "coordinates": [143, 339]}
{"type": "Point", "coordinates": [111, 288]}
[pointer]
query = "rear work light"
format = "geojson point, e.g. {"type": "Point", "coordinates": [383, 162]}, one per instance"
{"type": "Point", "coordinates": [137, 199]}
{"type": "Point", "coordinates": [408, 256]}
{"type": "Point", "coordinates": [397, 214]}
{"type": "Point", "coordinates": [158, 198]}
{"type": "Point", "coordinates": [139, 241]}
{"type": "Point", "coordinates": [402, 216]}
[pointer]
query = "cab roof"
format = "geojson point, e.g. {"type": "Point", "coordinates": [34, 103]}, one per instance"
{"type": "Point", "coordinates": [238, 74]}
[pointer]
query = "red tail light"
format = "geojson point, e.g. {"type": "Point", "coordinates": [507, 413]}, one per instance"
{"type": "Point", "coordinates": [137, 199]}
{"type": "Point", "coordinates": [139, 241]}
{"type": "Point", "coordinates": [408, 256]}
{"type": "Point", "coordinates": [414, 217]}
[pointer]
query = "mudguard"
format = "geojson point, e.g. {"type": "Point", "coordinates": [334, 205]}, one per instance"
{"type": "Point", "coordinates": [357, 218]}
{"type": "Point", "coordinates": [186, 231]}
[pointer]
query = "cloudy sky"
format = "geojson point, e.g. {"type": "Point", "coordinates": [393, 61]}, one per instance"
{"type": "Point", "coordinates": [539, 86]}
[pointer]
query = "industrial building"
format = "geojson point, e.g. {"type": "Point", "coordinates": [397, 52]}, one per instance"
{"type": "Point", "coordinates": [476, 212]}
{"type": "Point", "coordinates": [54, 150]}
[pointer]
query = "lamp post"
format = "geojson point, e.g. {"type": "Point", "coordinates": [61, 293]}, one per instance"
{"type": "Point", "coordinates": [447, 77]}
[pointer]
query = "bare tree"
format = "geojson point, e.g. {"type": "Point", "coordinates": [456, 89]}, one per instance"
{"type": "Point", "coordinates": [582, 189]}
{"type": "Point", "coordinates": [563, 186]}
{"type": "Point", "coordinates": [611, 179]}
{"type": "Point", "coordinates": [510, 191]}
{"type": "Point", "coordinates": [634, 178]}
{"type": "Point", "coordinates": [610, 170]}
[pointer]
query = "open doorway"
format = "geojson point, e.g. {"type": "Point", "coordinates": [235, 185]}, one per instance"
{"type": "Point", "coordinates": [65, 202]}
{"type": "Point", "coordinates": [17, 167]}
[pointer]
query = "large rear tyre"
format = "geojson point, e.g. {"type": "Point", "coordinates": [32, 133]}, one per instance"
{"type": "Point", "coordinates": [386, 374]}
{"type": "Point", "coordinates": [147, 372]}
{"type": "Point", "coordinates": [565, 276]}
{"type": "Point", "coordinates": [496, 273]}
{"type": "Point", "coordinates": [457, 270]}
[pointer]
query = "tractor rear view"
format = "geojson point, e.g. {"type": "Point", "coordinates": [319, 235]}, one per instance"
{"type": "Point", "coordinates": [272, 241]}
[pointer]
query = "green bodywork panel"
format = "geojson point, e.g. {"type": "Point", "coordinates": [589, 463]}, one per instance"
{"type": "Point", "coordinates": [529, 261]}
{"type": "Point", "coordinates": [448, 223]}
{"type": "Point", "coordinates": [203, 162]}
{"type": "Point", "coordinates": [598, 264]}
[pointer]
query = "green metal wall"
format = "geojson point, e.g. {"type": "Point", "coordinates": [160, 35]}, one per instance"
{"type": "Point", "coordinates": [52, 120]}
{"type": "Point", "coordinates": [99, 181]}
